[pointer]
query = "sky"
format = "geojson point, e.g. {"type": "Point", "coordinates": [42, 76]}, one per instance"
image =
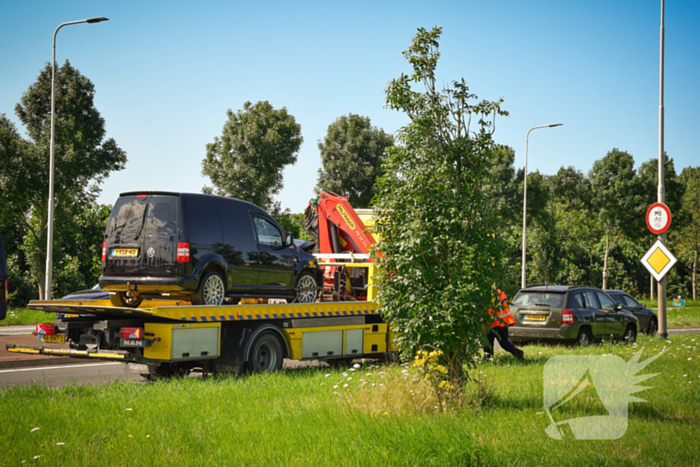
{"type": "Point", "coordinates": [165, 74]}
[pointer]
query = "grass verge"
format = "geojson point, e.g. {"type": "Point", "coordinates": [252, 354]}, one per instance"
{"type": "Point", "coordinates": [372, 415]}
{"type": "Point", "coordinates": [25, 316]}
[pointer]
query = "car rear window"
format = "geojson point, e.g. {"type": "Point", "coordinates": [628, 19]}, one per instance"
{"type": "Point", "coordinates": [539, 298]}
{"type": "Point", "coordinates": [134, 217]}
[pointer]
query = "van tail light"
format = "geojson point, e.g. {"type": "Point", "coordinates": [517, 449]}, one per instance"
{"type": "Point", "coordinates": [131, 333]}
{"type": "Point", "coordinates": [567, 317]}
{"type": "Point", "coordinates": [47, 329]}
{"type": "Point", "coordinates": [183, 252]}
{"type": "Point", "coordinates": [104, 251]}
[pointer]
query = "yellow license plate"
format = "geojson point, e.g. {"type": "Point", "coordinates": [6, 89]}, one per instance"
{"type": "Point", "coordinates": [71, 315]}
{"type": "Point", "coordinates": [535, 317]}
{"type": "Point", "coordinates": [129, 252]}
{"type": "Point", "coordinates": [53, 338]}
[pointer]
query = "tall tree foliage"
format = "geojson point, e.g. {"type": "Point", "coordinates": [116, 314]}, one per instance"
{"type": "Point", "coordinates": [690, 229]}
{"type": "Point", "coordinates": [83, 158]}
{"type": "Point", "coordinates": [440, 250]}
{"type": "Point", "coordinates": [351, 157]}
{"type": "Point", "coordinates": [615, 198]}
{"type": "Point", "coordinates": [248, 159]}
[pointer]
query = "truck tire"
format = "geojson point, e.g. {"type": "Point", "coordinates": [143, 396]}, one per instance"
{"type": "Point", "coordinates": [306, 289]}
{"type": "Point", "coordinates": [211, 290]}
{"type": "Point", "coordinates": [121, 300]}
{"type": "Point", "coordinates": [266, 355]}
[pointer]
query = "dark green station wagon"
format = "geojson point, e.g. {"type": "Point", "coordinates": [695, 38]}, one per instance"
{"type": "Point", "coordinates": [570, 313]}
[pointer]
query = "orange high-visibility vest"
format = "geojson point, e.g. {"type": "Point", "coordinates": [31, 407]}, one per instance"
{"type": "Point", "coordinates": [503, 311]}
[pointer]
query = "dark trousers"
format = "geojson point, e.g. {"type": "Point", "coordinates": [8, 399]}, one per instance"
{"type": "Point", "coordinates": [501, 333]}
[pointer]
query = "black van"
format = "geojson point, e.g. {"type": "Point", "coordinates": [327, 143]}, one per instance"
{"type": "Point", "coordinates": [4, 281]}
{"type": "Point", "coordinates": [203, 248]}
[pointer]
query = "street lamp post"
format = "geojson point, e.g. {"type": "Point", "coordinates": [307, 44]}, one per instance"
{"type": "Point", "coordinates": [49, 241]}
{"type": "Point", "coordinates": [525, 197]}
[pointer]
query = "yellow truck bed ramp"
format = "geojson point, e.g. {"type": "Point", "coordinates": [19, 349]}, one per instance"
{"type": "Point", "coordinates": [204, 313]}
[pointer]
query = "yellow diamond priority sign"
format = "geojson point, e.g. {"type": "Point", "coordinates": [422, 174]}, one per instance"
{"type": "Point", "coordinates": [658, 260]}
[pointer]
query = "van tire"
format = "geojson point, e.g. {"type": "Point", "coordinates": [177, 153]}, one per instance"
{"type": "Point", "coordinates": [211, 290]}
{"type": "Point", "coordinates": [121, 300]}
{"type": "Point", "coordinates": [305, 281]}
{"type": "Point", "coordinates": [266, 354]}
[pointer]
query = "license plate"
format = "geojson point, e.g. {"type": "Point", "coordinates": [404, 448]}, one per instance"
{"type": "Point", "coordinates": [71, 315]}
{"type": "Point", "coordinates": [535, 317]}
{"type": "Point", "coordinates": [140, 368]}
{"type": "Point", "coordinates": [53, 338]}
{"type": "Point", "coordinates": [125, 252]}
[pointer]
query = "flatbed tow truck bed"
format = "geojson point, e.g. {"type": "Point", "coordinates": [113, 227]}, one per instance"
{"type": "Point", "coordinates": [174, 335]}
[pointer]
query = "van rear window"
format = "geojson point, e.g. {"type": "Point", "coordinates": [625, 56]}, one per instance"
{"type": "Point", "coordinates": [534, 298]}
{"type": "Point", "coordinates": [133, 218]}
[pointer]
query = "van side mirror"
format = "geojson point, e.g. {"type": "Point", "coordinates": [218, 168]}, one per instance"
{"type": "Point", "coordinates": [619, 306]}
{"type": "Point", "coordinates": [289, 239]}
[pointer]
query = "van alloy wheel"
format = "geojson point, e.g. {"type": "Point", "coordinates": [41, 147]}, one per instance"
{"type": "Point", "coordinates": [306, 289]}
{"type": "Point", "coordinates": [213, 290]}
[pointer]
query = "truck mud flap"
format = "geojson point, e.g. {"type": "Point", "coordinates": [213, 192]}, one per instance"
{"type": "Point", "coordinates": [114, 355]}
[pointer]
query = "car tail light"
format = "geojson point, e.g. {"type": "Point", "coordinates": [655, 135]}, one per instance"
{"type": "Point", "coordinates": [183, 252]}
{"type": "Point", "coordinates": [104, 251]}
{"type": "Point", "coordinates": [47, 329]}
{"type": "Point", "coordinates": [567, 317]}
{"type": "Point", "coordinates": [131, 333]}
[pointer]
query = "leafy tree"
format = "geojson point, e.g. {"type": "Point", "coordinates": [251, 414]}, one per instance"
{"type": "Point", "coordinates": [351, 156]}
{"type": "Point", "coordinates": [83, 158]}
{"type": "Point", "coordinates": [615, 198]}
{"type": "Point", "coordinates": [690, 232]}
{"type": "Point", "coordinates": [441, 248]}
{"type": "Point", "coordinates": [502, 187]}
{"type": "Point", "coordinates": [248, 159]}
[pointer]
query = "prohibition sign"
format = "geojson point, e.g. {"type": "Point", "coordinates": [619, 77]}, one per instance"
{"type": "Point", "coordinates": [658, 218]}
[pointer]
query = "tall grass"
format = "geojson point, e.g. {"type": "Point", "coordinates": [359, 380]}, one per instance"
{"type": "Point", "coordinates": [386, 415]}
{"type": "Point", "coordinates": [25, 316]}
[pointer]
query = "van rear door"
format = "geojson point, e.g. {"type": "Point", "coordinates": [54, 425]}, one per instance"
{"type": "Point", "coordinates": [141, 236]}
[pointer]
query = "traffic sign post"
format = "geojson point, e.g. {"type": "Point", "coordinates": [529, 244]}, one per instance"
{"type": "Point", "coordinates": [658, 218]}
{"type": "Point", "coordinates": [658, 261]}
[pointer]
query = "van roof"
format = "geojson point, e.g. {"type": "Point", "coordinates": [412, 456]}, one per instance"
{"type": "Point", "coordinates": [171, 193]}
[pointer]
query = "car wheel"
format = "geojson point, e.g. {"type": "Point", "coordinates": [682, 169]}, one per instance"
{"type": "Point", "coordinates": [652, 327]}
{"type": "Point", "coordinates": [306, 289]}
{"type": "Point", "coordinates": [121, 300]}
{"type": "Point", "coordinates": [585, 338]}
{"type": "Point", "coordinates": [211, 290]}
{"type": "Point", "coordinates": [630, 335]}
{"type": "Point", "coordinates": [266, 354]}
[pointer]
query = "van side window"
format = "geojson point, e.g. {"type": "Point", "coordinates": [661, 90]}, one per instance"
{"type": "Point", "coordinates": [268, 233]}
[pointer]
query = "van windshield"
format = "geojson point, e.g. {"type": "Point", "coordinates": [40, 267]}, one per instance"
{"type": "Point", "coordinates": [133, 218]}
{"type": "Point", "coordinates": [525, 298]}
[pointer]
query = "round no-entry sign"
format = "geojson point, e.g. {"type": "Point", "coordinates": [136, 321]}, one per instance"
{"type": "Point", "coordinates": [658, 218]}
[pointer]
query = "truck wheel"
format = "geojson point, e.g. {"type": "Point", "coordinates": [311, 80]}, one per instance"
{"type": "Point", "coordinates": [306, 289]}
{"type": "Point", "coordinates": [585, 338]}
{"type": "Point", "coordinates": [121, 300]}
{"type": "Point", "coordinates": [630, 335]}
{"type": "Point", "coordinates": [211, 290]}
{"type": "Point", "coordinates": [266, 354]}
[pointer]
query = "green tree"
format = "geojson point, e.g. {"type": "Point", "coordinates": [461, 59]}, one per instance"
{"type": "Point", "coordinates": [690, 230]}
{"type": "Point", "coordinates": [351, 156]}
{"type": "Point", "coordinates": [83, 158]}
{"type": "Point", "coordinates": [441, 248]}
{"type": "Point", "coordinates": [248, 159]}
{"type": "Point", "coordinates": [502, 187]}
{"type": "Point", "coordinates": [615, 198]}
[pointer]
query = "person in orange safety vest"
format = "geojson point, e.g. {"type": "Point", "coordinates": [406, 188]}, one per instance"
{"type": "Point", "coordinates": [499, 328]}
